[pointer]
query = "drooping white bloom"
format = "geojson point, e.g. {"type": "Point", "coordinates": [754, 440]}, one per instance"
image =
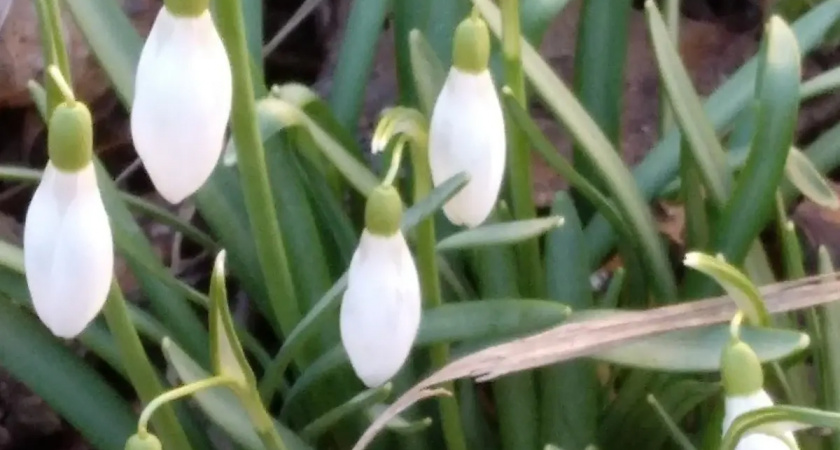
{"type": "Point", "coordinates": [467, 134]}
{"type": "Point", "coordinates": [735, 406]}
{"type": "Point", "coordinates": [68, 250]}
{"type": "Point", "coordinates": [182, 102]}
{"type": "Point", "coordinates": [380, 311]}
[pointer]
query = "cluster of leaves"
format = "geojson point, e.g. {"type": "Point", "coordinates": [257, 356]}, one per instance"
{"type": "Point", "coordinates": [730, 159]}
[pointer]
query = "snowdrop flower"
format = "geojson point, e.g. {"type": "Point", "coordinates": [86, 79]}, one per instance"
{"type": "Point", "coordinates": [67, 245]}
{"type": "Point", "coordinates": [182, 99]}
{"type": "Point", "coordinates": [380, 311]}
{"type": "Point", "coordinates": [467, 129]}
{"type": "Point", "coordinates": [743, 383]}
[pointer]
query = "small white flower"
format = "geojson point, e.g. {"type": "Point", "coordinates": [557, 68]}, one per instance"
{"type": "Point", "coordinates": [68, 250]}
{"type": "Point", "coordinates": [467, 134]}
{"type": "Point", "coordinates": [735, 406]}
{"type": "Point", "coordinates": [182, 102]}
{"type": "Point", "coordinates": [380, 311]}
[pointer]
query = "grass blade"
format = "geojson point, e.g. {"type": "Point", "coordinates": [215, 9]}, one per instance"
{"type": "Point", "coordinates": [495, 234]}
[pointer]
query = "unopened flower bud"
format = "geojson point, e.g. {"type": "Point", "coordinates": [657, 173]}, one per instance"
{"type": "Point", "coordinates": [182, 101]}
{"type": "Point", "coordinates": [70, 136]}
{"type": "Point", "coordinates": [380, 310]}
{"type": "Point", "coordinates": [467, 129]}
{"type": "Point", "coordinates": [146, 441]}
{"type": "Point", "coordinates": [383, 211]}
{"type": "Point", "coordinates": [471, 45]}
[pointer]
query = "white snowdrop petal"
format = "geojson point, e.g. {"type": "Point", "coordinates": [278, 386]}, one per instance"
{"type": "Point", "coordinates": [467, 134]}
{"type": "Point", "coordinates": [69, 271]}
{"type": "Point", "coordinates": [182, 102]}
{"type": "Point", "coordinates": [380, 310]}
{"type": "Point", "coordinates": [40, 234]}
{"type": "Point", "coordinates": [735, 406]}
{"type": "Point", "coordinates": [761, 442]}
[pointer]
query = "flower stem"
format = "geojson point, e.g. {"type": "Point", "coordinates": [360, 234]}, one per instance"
{"type": "Point", "coordinates": [453, 430]}
{"type": "Point", "coordinates": [61, 60]}
{"type": "Point", "coordinates": [519, 157]}
{"type": "Point", "coordinates": [141, 374]}
{"type": "Point", "coordinates": [48, 44]}
{"type": "Point", "coordinates": [256, 189]}
{"type": "Point", "coordinates": [177, 393]}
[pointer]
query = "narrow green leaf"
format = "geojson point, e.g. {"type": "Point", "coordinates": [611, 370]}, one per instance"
{"type": "Point", "coordinates": [738, 286]}
{"type": "Point", "coordinates": [697, 350]}
{"type": "Point", "coordinates": [611, 295]}
{"type": "Point", "coordinates": [427, 69]}
{"type": "Point", "coordinates": [680, 397]}
{"type": "Point", "coordinates": [707, 151]}
{"type": "Point", "coordinates": [297, 222]}
{"type": "Point", "coordinates": [276, 114]}
{"type": "Point", "coordinates": [559, 164]}
{"type": "Point", "coordinates": [308, 101]}
{"type": "Point", "coordinates": [434, 202]}
{"type": "Point", "coordinates": [823, 83]}
{"type": "Point", "coordinates": [305, 330]}
{"type": "Point", "coordinates": [800, 171]}
{"type": "Point", "coordinates": [568, 391]}
{"type": "Point", "coordinates": [829, 351]}
{"type": "Point", "coordinates": [222, 406]}
{"type": "Point", "coordinates": [355, 60]}
{"type": "Point", "coordinates": [222, 206]}
{"type": "Point", "coordinates": [678, 435]}
{"type": "Point", "coordinates": [515, 395]}
{"type": "Point", "coordinates": [358, 403]}
{"type": "Point", "coordinates": [399, 424]}
{"type": "Point", "coordinates": [499, 233]}
{"type": "Point", "coordinates": [752, 203]}
{"type": "Point", "coordinates": [113, 39]}
{"type": "Point", "coordinates": [600, 55]}
{"type": "Point", "coordinates": [69, 385]}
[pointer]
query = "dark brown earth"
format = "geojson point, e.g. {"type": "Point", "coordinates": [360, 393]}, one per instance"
{"type": "Point", "coordinates": [717, 36]}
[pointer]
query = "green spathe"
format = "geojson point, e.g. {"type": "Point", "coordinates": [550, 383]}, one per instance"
{"type": "Point", "coordinates": [741, 369]}
{"type": "Point", "coordinates": [186, 8]}
{"type": "Point", "coordinates": [383, 211]}
{"type": "Point", "coordinates": [471, 45]}
{"type": "Point", "coordinates": [146, 441]}
{"type": "Point", "coordinates": [70, 136]}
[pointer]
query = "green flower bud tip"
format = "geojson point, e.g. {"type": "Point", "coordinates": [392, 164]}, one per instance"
{"type": "Point", "coordinates": [471, 45]}
{"type": "Point", "coordinates": [741, 369]}
{"type": "Point", "coordinates": [186, 8]}
{"type": "Point", "coordinates": [147, 441]}
{"type": "Point", "coordinates": [70, 136]}
{"type": "Point", "coordinates": [383, 211]}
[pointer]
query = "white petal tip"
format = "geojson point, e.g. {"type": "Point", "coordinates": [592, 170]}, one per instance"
{"type": "Point", "coordinates": [691, 259]}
